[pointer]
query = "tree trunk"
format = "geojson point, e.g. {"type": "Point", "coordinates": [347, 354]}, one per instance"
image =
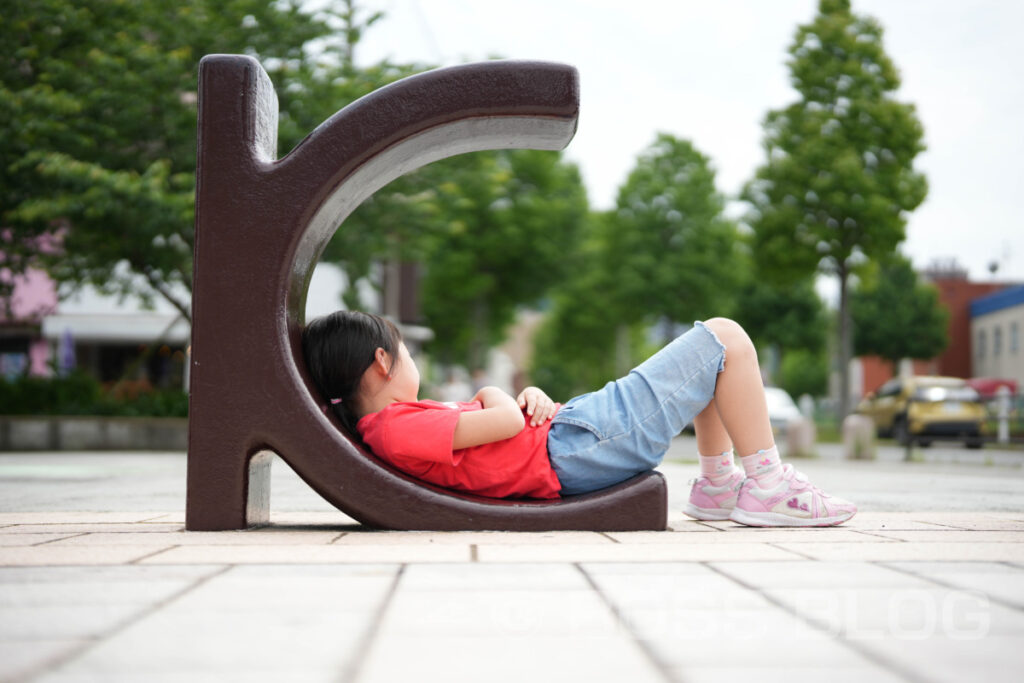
{"type": "Point", "coordinates": [845, 343]}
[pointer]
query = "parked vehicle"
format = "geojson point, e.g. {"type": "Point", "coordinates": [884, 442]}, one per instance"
{"type": "Point", "coordinates": [781, 408]}
{"type": "Point", "coordinates": [921, 409]}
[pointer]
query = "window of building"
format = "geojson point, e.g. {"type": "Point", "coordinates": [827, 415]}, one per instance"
{"type": "Point", "coordinates": [982, 341]}
{"type": "Point", "coordinates": [1014, 338]}
{"type": "Point", "coordinates": [997, 341]}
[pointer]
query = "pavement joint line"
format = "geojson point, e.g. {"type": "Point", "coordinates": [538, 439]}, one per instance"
{"type": "Point", "coordinates": [152, 519]}
{"type": "Point", "coordinates": [710, 526]}
{"type": "Point", "coordinates": [51, 665]}
{"type": "Point", "coordinates": [609, 537]}
{"type": "Point", "coordinates": [1019, 607]}
{"type": "Point", "coordinates": [137, 560]}
{"type": "Point", "coordinates": [867, 653]}
{"type": "Point", "coordinates": [350, 672]}
{"type": "Point", "coordinates": [62, 538]}
{"type": "Point", "coordinates": [886, 538]}
{"type": "Point", "coordinates": [656, 661]}
{"type": "Point", "coordinates": [790, 550]}
{"type": "Point", "coordinates": [337, 538]}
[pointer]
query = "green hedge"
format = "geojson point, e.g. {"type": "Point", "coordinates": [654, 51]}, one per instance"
{"type": "Point", "coordinates": [80, 394]}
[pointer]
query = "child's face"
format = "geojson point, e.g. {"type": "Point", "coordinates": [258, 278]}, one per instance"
{"type": "Point", "coordinates": [405, 377]}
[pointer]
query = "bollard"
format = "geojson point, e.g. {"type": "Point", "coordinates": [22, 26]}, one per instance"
{"type": "Point", "coordinates": [800, 437]}
{"type": "Point", "coordinates": [858, 438]}
{"type": "Point", "coordinates": [1003, 413]}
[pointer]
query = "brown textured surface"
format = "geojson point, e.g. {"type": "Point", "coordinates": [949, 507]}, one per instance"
{"type": "Point", "coordinates": [261, 224]}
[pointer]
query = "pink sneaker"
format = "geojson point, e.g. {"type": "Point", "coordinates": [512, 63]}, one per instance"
{"type": "Point", "coordinates": [794, 502]}
{"type": "Point", "coordinates": [709, 502]}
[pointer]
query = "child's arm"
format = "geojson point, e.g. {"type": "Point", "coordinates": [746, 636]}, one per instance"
{"type": "Point", "coordinates": [500, 419]}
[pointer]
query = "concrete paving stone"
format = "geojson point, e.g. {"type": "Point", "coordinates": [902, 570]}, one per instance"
{"type": "Point", "coordinates": [103, 574]}
{"type": "Point", "coordinates": [76, 517]}
{"type": "Point", "coordinates": [20, 659]}
{"type": "Point", "coordinates": [745, 535]}
{"type": "Point", "coordinates": [136, 527]}
{"type": "Point", "coordinates": [259, 589]}
{"type": "Point", "coordinates": [634, 552]}
{"type": "Point", "coordinates": [803, 574]}
{"type": "Point", "coordinates": [168, 518]}
{"type": "Point", "coordinates": [30, 539]}
{"type": "Point", "coordinates": [979, 521]}
{"type": "Point", "coordinates": [194, 675]}
{"type": "Point", "coordinates": [470, 537]}
{"type": "Point", "coordinates": [954, 536]}
{"type": "Point", "coordinates": [675, 590]}
{"type": "Point", "coordinates": [888, 551]}
{"type": "Point", "coordinates": [869, 520]}
{"type": "Point", "coordinates": [532, 614]}
{"type": "Point", "coordinates": [85, 593]}
{"type": "Point", "coordinates": [63, 622]}
{"type": "Point", "coordinates": [180, 641]}
{"type": "Point", "coordinates": [43, 555]}
{"type": "Point", "coordinates": [491, 577]}
{"type": "Point", "coordinates": [998, 581]}
{"type": "Point", "coordinates": [427, 658]}
{"type": "Point", "coordinates": [769, 637]}
{"type": "Point", "coordinates": [255, 537]}
{"type": "Point", "coordinates": [303, 554]}
{"type": "Point", "coordinates": [294, 622]}
{"type": "Point", "coordinates": [992, 659]}
{"type": "Point", "coordinates": [640, 570]}
{"type": "Point", "coordinates": [903, 614]}
{"type": "Point", "coordinates": [730, 673]}
{"type": "Point", "coordinates": [747, 638]}
{"type": "Point", "coordinates": [684, 523]}
{"type": "Point", "coordinates": [304, 517]}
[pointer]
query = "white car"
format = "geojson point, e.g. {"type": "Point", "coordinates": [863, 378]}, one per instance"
{"type": "Point", "coordinates": [781, 408]}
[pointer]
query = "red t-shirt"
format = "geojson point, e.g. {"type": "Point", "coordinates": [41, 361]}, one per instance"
{"type": "Point", "coordinates": [416, 437]}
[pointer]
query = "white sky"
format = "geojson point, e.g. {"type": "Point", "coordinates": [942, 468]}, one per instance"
{"type": "Point", "coordinates": [709, 70]}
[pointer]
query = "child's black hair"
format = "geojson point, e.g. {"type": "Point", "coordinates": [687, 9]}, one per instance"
{"type": "Point", "coordinates": [338, 348]}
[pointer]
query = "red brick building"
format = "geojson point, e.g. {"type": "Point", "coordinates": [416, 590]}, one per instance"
{"type": "Point", "coordinates": [956, 293]}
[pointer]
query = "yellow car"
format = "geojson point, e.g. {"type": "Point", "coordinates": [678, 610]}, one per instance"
{"type": "Point", "coordinates": [920, 409]}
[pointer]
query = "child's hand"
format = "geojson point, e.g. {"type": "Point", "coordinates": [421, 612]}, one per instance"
{"type": "Point", "coordinates": [539, 407]}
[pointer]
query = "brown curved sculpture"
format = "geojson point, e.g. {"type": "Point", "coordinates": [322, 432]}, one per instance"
{"type": "Point", "coordinates": [261, 225]}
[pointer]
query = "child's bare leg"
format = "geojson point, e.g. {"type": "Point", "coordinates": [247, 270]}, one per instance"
{"type": "Point", "coordinates": [712, 438]}
{"type": "Point", "coordinates": [739, 393]}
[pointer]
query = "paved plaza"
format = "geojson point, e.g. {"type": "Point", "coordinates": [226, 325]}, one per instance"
{"type": "Point", "coordinates": [100, 582]}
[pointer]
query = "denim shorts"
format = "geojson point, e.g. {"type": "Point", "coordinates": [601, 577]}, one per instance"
{"type": "Point", "coordinates": [625, 428]}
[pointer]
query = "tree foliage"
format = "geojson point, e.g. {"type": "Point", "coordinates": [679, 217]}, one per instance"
{"type": "Point", "coordinates": [500, 226]}
{"type": "Point", "coordinates": [664, 254]}
{"type": "Point", "coordinates": [673, 252]}
{"type": "Point", "coordinates": [897, 316]}
{"type": "Point", "coordinates": [839, 176]}
{"type": "Point", "coordinates": [787, 317]}
{"type": "Point", "coordinates": [98, 109]}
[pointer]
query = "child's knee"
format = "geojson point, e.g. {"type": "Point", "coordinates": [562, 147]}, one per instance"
{"type": "Point", "coordinates": [731, 334]}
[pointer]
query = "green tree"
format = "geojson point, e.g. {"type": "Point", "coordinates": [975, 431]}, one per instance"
{"type": "Point", "coordinates": [786, 317]}
{"type": "Point", "coordinates": [664, 254]}
{"type": "Point", "coordinates": [581, 343]}
{"type": "Point", "coordinates": [897, 316]}
{"type": "Point", "coordinates": [673, 253]}
{"type": "Point", "coordinates": [98, 111]}
{"type": "Point", "coordinates": [839, 176]}
{"type": "Point", "coordinates": [501, 224]}
{"type": "Point", "coordinates": [804, 371]}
